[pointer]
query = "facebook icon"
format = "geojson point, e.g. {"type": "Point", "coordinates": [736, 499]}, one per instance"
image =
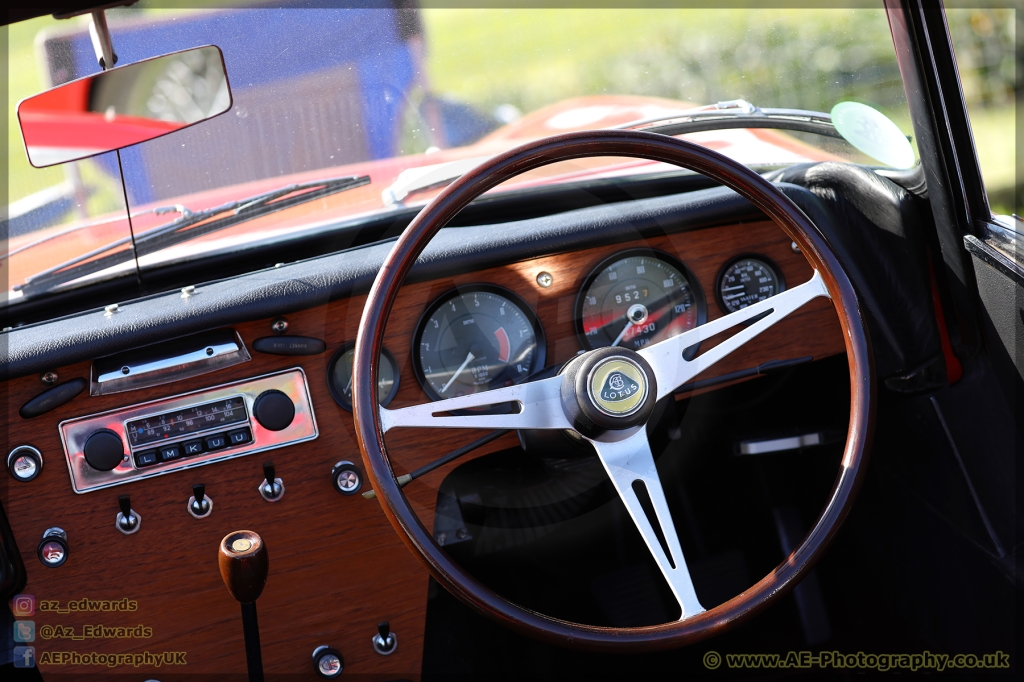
{"type": "Point", "coordinates": [24, 656]}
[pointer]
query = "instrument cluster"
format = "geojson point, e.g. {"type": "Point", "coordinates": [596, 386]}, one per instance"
{"type": "Point", "coordinates": [479, 337]}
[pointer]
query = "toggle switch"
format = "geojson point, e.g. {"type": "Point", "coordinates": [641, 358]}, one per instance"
{"type": "Point", "coordinates": [328, 662]}
{"type": "Point", "coordinates": [272, 488]}
{"type": "Point", "coordinates": [200, 505]}
{"type": "Point", "coordinates": [128, 520]}
{"type": "Point", "coordinates": [385, 642]}
{"type": "Point", "coordinates": [53, 549]}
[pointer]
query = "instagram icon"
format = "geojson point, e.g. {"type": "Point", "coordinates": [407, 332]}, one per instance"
{"type": "Point", "coordinates": [23, 605]}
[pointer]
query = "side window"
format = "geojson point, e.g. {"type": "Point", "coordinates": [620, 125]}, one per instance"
{"type": "Point", "coordinates": [984, 43]}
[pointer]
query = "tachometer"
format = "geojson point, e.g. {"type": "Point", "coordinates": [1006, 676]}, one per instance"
{"type": "Point", "coordinates": [746, 280]}
{"type": "Point", "coordinates": [476, 338]}
{"type": "Point", "coordinates": [339, 376]}
{"type": "Point", "coordinates": [636, 298]}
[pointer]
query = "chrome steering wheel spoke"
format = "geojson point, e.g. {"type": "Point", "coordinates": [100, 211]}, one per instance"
{"type": "Point", "coordinates": [630, 466]}
{"type": "Point", "coordinates": [538, 403]}
{"type": "Point", "coordinates": [672, 370]}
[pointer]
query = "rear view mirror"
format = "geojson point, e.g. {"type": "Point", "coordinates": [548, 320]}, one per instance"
{"type": "Point", "coordinates": [124, 106]}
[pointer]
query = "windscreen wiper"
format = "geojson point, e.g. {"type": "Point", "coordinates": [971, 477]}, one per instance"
{"type": "Point", "coordinates": [737, 113]}
{"type": "Point", "coordinates": [188, 225]}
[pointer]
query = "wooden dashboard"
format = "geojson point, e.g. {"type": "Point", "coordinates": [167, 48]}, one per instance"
{"type": "Point", "coordinates": [336, 565]}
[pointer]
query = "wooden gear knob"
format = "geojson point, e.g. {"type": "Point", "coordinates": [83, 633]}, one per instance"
{"type": "Point", "coordinates": [244, 564]}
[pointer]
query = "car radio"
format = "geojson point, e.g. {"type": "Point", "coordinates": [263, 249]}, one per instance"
{"type": "Point", "coordinates": [189, 430]}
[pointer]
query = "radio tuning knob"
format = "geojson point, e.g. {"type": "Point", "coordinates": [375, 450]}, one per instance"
{"type": "Point", "coordinates": [273, 410]}
{"type": "Point", "coordinates": [104, 450]}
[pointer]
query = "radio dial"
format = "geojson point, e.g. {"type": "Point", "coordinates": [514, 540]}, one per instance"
{"type": "Point", "coordinates": [104, 450]}
{"type": "Point", "coordinates": [273, 410]}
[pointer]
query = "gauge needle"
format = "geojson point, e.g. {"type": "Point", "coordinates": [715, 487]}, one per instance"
{"type": "Point", "coordinates": [469, 358]}
{"type": "Point", "coordinates": [622, 333]}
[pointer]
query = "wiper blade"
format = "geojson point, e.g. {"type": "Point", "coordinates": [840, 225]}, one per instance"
{"type": "Point", "coordinates": [723, 115]}
{"type": "Point", "coordinates": [188, 225]}
{"type": "Point", "coordinates": [737, 113]}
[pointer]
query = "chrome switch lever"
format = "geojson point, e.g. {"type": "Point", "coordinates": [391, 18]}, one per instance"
{"type": "Point", "coordinates": [128, 520]}
{"type": "Point", "coordinates": [272, 488]}
{"type": "Point", "coordinates": [199, 505]}
{"type": "Point", "coordinates": [385, 642]}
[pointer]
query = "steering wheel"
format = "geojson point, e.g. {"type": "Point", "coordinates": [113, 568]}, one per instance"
{"type": "Point", "coordinates": [607, 395]}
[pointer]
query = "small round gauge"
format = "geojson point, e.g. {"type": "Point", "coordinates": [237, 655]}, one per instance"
{"type": "Point", "coordinates": [637, 298]}
{"type": "Point", "coordinates": [476, 338]}
{"type": "Point", "coordinates": [339, 376]}
{"type": "Point", "coordinates": [746, 280]}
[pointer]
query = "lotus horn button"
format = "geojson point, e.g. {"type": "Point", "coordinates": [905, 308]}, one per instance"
{"type": "Point", "coordinates": [609, 389]}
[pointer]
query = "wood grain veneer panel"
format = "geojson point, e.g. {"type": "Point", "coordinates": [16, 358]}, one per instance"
{"type": "Point", "coordinates": [336, 565]}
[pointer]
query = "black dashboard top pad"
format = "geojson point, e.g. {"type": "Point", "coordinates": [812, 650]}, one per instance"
{"type": "Point", "coordinates": [869, 243]}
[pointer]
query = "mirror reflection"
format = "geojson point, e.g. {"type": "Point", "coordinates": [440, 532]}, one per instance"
{"type": "Point", "coordinates": [124, 106]}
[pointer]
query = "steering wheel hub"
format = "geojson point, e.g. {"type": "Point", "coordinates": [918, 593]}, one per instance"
{"type": "Point", "coordinates": [608, 389]}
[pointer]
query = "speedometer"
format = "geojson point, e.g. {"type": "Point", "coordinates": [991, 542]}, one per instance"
{"type": "Point", "coordinates": [636, 298]}
{"type": "Point", "coordinates": [476, 338]}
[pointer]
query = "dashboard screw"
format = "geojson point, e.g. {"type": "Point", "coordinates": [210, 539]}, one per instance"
{"type": "Point", "coordinates": [544, 279]}
{"type": "Point", "coordinates": [795, 247]}
{"type": "Point", "coordinates": [279, 326]}
{"type": "Point", "coordinates": [49, 378]}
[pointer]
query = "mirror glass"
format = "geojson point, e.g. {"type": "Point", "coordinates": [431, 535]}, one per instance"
{"type": "Point", "coordinates": [124, 106]}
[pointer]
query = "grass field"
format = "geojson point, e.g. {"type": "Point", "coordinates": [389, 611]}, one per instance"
{"type": "Point", "coordinates": [535, 57]}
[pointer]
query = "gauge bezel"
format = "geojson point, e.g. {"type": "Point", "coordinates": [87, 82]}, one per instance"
{"type": "Point", "coordinates": [735, 259]}
{"type": "Point", "coordinates": [540, 356]}
{"type": "Point", "coordinates": [695, 286]}
{"type": "Point", "coordinates": [336, 393]}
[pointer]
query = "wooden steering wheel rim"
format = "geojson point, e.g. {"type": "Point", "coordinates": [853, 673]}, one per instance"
{"type": "Point", "coordinates": [655, 148]}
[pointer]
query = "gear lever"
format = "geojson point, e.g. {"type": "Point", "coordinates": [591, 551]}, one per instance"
{"type": "Point", "coordinates": [244, 565]}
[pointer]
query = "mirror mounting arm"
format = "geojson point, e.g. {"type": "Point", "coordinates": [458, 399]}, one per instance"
{"type": "Point", "coordinates": [101, 42]}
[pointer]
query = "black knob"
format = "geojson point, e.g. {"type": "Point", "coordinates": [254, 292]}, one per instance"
{"type": "Point", "coordinates": [273, 410]}
{"type": "Point", "coordinates": [104, 450]}
{"type": "Point", "coordinates": [384, 629]}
